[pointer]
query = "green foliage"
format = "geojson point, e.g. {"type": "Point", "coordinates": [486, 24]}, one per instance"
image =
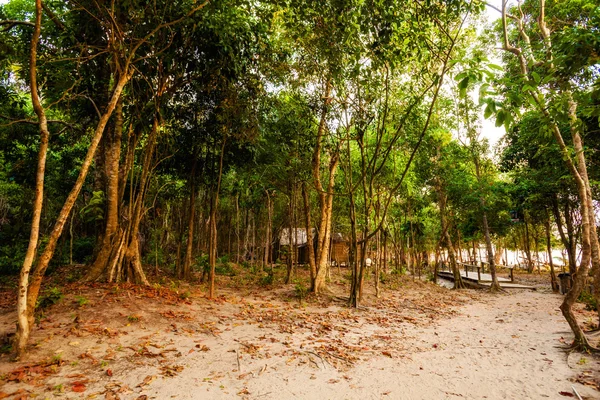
{"type": "Point", "coordinates": [81, 300]}
{"type": "Point", "coordinates": [300, 290]}
{"type": "Point", "coordinates": [586, 297]}
{"type": "Point", "coordinates": [201, 263]}
{"type": "Point", "coordinates": [49, 297]}
{"type": "Point", "coordinates": [224, 267]}
{"type": "Point", "coordinates": [94, 209]}
{"type": "Point", "coordinates": [133, 318]}
{"type": "Point", "coordinates": [268, 279]}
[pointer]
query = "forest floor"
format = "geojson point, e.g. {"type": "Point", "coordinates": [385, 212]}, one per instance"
{"type": "Point", "coordinates": [258, 340]}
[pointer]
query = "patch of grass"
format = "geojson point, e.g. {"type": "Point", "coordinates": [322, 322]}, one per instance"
{"type": "Point", "coordinates": [57, 358]}
{"type": "Point", "coordinates": [133, 318]}
{"type": "Point", "coordinates": [185, 295]}
{"type": "Point", "coordinates": [81, 300]}
{"type": "Point", "coordinates": [59, 388]}
{"type": "Point", "coordinates": [6, 349]}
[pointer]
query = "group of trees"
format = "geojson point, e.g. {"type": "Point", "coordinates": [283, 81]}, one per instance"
{"type": "Point", "coordinates": [168, 133]}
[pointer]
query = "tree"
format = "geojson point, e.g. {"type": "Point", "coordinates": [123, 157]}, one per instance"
{"type": "Point", "coordinates": [547, 82]}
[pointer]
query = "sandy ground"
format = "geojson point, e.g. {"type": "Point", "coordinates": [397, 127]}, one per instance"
{"type": "Point", "coordinates": [257, 346]}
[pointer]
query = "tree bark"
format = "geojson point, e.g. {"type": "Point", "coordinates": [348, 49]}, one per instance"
{"type": "Point", "coordinates": [325, 196]}
{"type": "Point", "coordinates": [553, 281]}
{"type": "Point", "coordinates": [46, 256]}
{"type": "Point", "coordinates": [23, 320]}
{"type": "Point", "coordinates": [212, 254]}
{"type": "Point", "coordinates": [186, 272]}
{"type": "Point", "coordinates": [112, 155]}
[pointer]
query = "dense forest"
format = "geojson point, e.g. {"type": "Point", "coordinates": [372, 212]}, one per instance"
{"type": "Point", "coordinates": [140, 139]}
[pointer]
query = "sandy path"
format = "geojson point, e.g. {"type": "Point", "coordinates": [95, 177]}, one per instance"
{"type": "Point", "coordinates": [505, 347]}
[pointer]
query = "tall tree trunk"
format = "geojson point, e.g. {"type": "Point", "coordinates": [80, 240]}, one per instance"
{"type": "Point", "coordinates": [23, 320]}
{"type": "Point", "coordinates": [292, 234]}
{"type": "Point", "coordinates": [495, 286]}
{"type": "Point", "coordinates": [442, 199]}
{"type": "Point", "coordinates": [526, 244]}
{"type": "Point", "coordinates": [212, 255]}
{"type": "Point", "coordinates": [566, 238]}
{"type": "Point", "coordinates": [46, 256]}
{"type": "Point", "coordinates": [312, 262]}
{"type": "Point", "coordinates": [186, 272]}
{"type": "Point", "coordinates": [112, 155]}
{"type": "Point", "coordinates": [553, 281]}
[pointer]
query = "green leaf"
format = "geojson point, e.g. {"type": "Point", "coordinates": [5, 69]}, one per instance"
{"type": "Point", "coordinates": [496, 67]}
{"type": "Point", "coordinates": [487, 112]}
{"type": "Point", "coordinates": [500, 117]}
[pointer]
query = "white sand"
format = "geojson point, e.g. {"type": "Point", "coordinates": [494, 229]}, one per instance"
{"type": "Point", "coordinates": [504, 348]}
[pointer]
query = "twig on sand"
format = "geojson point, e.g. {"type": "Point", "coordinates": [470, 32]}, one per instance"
{"type": "Point", "coordinates": [263, 369]}
{"type": "Point", "coordinates": [577, 394]}
{"type": "Point", "coordinates": [237, 354]}
{"type": "Point", "coordinates": [339, 357]}
{"type": "Point", "coordinates": [318, 356]}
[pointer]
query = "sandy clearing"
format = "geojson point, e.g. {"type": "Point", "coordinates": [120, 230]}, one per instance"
{"type": "Point", "coordinates": [417, 342]}
{"type": "Point", "coordinates": [506, 347]}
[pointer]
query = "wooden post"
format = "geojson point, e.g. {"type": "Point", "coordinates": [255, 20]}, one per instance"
{"type": "Point", "coordinates": [512, 278]}
{"type": "Point", "coordinates": [479, 273]}
{"type": "Point", "coordinates": [466, 270]}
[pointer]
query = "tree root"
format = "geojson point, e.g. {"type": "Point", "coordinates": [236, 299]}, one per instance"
{"type": "Point", "coordinates": [581, 348]}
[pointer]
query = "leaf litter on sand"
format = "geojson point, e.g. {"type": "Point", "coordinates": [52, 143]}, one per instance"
{"type": "Point", "coordinates": [330, 333]}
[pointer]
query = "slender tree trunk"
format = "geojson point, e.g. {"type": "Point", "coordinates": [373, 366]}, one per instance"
{"type": "Point", "coordinates": [458, 282]}
{"type": "Point", "coordinates": [527, 244]}
{"type": "Point", "coordinates": [44, 259]}
{"type": "Point", "coordinates": [213, 226]}
{"type": "Point", "coordinates": [292, 234]}
{"type": "Point", "coordinates": [267, 257]}
{"type": "Point", "coordinates": [24, 322]}
{"type": "Point", "coordinates": [495, 286]}
{"type": "Point", "coordinates": [238, 256]}
{"type": "Point", "coordinates": [112, 155]}
{"type": "Point", "coordinates": [553, 281]}
{"type": "Point", "coordinates": [186, 272]}
{"type": "Point", "coordinates": [309, 237]}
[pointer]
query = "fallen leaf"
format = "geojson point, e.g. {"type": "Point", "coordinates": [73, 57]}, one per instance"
{"type": "Point", "coordinates": [79, 387]}
{"type": "Point", "coordinates": [109, 372]}
{"type": "Point", "coordinates": [566, 394]}
{"type": "Point", "coordinates": [147, 380]}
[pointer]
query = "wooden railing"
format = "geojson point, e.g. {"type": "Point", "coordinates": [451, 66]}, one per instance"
{"type": "Point", "coordinates": [479, 269]}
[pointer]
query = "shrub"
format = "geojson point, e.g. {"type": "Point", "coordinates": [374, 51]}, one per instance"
{"type": "Point", "coordinates": [586, 297]}
{"type": "Point", "coordinates": [268, 279]}
{"type": "Point", "coordinates": [49, 297]}
{"type": "Point", "coordinates": [301, 291]}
